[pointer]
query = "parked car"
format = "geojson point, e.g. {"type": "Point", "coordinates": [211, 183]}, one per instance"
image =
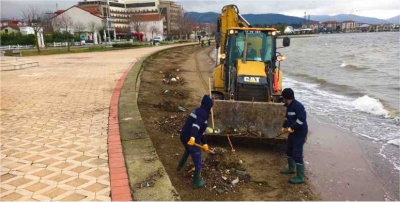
{"type": "Point", "coordinates": [158, 39]}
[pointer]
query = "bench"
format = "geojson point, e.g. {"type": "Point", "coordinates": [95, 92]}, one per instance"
{"type": "Point", "coordinates": [12, 53]}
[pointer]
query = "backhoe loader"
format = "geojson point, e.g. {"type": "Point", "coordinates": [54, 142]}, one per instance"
{"type": "Point", "coordinates": [247, 82]}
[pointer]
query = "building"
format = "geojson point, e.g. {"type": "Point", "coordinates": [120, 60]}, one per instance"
{"type": "Point", "coordinates": [120, 10]}
{"type": "Point", "coordinates": [12, 23]}
{"type": "Point", "coordinates": [11, 26]}
{"type": "Point", "coordinates": [314, 26]}
{"type": "Point", "coordinates": [173, 13]}
{"type": "Point", "coordinates": [365, 27]}
{"type": "Point", "coordinates": [153, 26]}
{"type": "Point", "coordinates": [9, 29]}
{"type": "Point", "coordinates": [331, 26]}
{"type": "Point", "coordinates": [85, 20]}
{"type": "Point", "coordinates": [349, 26]}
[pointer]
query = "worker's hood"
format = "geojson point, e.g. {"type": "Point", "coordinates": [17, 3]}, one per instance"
{"type": "Point", "coordinates": [206, 102]}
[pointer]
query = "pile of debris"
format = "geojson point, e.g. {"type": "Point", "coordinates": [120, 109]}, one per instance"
{"type": "Point", "coordinates": [169, 106]}
{"type": "Point", "coordinates": [178, 94]}
{"type": "Point", "coordinates": [172, 124]}
{"type": "Point", "coordinates": [171, 78]}
{"type": "Point", "coordinates": [151, 179]}
{"type": "Point", "coordinates": [222, 171]}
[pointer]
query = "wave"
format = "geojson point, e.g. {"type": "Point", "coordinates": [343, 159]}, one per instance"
{"type": "Point", "coordinates": [350, 66]}
{"type": "Point", "coordinates": [395, 142]}
{"type": "Point", "coordinates": [371, 105]}
{"type": "Point", "coordinates": [320, 81]}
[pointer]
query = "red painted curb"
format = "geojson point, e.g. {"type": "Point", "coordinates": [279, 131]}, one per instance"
{"type": "Point", "coordinates": [119, 182]}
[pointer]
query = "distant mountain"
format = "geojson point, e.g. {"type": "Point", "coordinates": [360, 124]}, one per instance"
{"type": "Point", "coordinates": [270, 18]}
{"type": "Point", "coordinates": [344, 17]}
{"type": "Point", "coordinates": [395, 20]}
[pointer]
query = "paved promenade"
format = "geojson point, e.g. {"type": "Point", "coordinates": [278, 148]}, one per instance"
{"type": "Point", "coordinates": [54, 123]}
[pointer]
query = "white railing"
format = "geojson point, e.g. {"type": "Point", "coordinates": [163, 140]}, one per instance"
{"type": "Point", "coordinates": [16, 47]}
{"type": "Point", "coordinates": [60, 44]}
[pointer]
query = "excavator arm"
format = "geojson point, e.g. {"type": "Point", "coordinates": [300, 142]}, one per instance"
{"type": "Point", "coordinates": [229, 17]}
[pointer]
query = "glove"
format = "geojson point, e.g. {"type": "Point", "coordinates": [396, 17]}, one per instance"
{"type": "Point", "coordinates": [290, 130]}
{"type": "Point", "coordinates": [206, 148]}
{"type": "Point", "coordinates": [284, 130]}
{"type": "Point", "coordinates": [191, 141]}
{"type": "Point", "coordinates": [209, 130]}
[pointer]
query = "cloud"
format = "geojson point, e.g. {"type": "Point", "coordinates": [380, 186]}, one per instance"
{"type": "Point", "coordinates": [371, 8]}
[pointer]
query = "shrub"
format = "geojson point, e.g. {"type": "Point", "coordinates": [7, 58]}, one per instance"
{"type": "Point", "coordinates": [17, 39]}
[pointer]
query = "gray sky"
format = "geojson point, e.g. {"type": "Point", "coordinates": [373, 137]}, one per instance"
{"type": "Point", "coordinates": [382, 9]}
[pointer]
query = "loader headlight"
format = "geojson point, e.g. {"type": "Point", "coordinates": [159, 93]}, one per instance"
{"type": "Point", "coordinates": [273, 33]}
{"type": "Point", "coordinates": [231, 31]}
{"type": "Point", "coordinates": [222, 56]}
{"type": "Point", "coordinates": [280, 58]}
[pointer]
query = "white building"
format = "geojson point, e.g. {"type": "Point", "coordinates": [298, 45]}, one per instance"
{"type": "Point", "coordinates": [153, 26]}
{"type": "Point", "coordinates": [90, 22]}
{"type": "Point", "coordinates": [120, 10]}
{"type": "Point", "coordinates": [349, 26]}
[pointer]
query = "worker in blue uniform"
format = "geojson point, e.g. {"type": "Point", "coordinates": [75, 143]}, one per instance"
{"type": "Point", "coordinates": [296, 124]}
{"type": "Point", "coordinates": [193, 132]}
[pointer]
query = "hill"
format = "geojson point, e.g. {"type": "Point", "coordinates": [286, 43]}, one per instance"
{"type": "Point", "coordinates": [273, 18]}
{"type": "Point", "coordinates": [270, 18]}
{"type": "Point", "coordinates": [395, 20]}
{"type": "Point", "coordinates": [344, 17]}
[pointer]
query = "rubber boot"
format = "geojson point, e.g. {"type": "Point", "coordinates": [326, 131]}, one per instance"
{"type": "Point", "coordinates": [182, 161]}
{"type": "Point", "coordinates": [300, 175]}
{"type": "Point", "coordinates": [291, 165]}
{"type": "Point", "coordinates": [197, 181]}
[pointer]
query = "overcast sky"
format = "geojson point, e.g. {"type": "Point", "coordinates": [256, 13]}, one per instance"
{"type": "Point", "coordinates": [382, 9]}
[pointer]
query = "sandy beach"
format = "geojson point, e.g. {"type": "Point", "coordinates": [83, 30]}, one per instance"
{"type": "Point", "coordinates": [343, 166]}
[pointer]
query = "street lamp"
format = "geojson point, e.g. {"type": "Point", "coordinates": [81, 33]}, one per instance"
{"type": "Point", "coordinates": [108, 25]}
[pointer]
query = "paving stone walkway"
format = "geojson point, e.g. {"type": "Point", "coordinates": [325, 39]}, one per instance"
{"type": "Point", "coordinates": [54, 123]}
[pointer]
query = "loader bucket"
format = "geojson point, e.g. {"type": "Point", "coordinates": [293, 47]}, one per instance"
{"type": "Point", "coordinates": [248, 119]}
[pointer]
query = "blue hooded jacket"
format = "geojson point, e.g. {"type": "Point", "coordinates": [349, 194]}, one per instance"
{"type": "Point", "coordinates": [196, 123]}
{"type": "Point", "coordinates": [296, 116]}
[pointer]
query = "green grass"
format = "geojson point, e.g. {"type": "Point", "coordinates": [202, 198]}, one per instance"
{"type": "Point", "coordinates": [65, 51]}
{"type": "Point", "coordinates": [85, 50]}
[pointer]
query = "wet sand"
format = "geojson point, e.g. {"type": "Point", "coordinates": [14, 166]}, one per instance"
{"type": "Point", "coordinates": [343, 166]}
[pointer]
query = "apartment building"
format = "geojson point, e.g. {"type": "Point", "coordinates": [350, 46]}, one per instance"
{"type": "Point", "coordinates": [349, 26]}
{"type": "Point", "coordinates": [331, 25]}
{"type": "Point", "coordinates": [119, 11]}
{"type": "Point", "coordinates": [173, 13]}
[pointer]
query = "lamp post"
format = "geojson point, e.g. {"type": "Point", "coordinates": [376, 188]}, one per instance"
{"type": "Point", "coordinates": [108, 25]}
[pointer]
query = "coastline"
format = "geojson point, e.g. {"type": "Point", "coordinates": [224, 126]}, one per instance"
{"type": "Point", "coordinates": [343, 166]}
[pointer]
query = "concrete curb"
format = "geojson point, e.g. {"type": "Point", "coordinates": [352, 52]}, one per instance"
{"type": "Point", "coordinates": [120, 190]}
{"type": "Point", "coordinates": [132, 157]}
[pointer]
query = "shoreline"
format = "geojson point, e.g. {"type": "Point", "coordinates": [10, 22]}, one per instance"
{"type": "Point", "coordinates": [363, 173]}
{"type": "Point", "coordinates": [343, 166]}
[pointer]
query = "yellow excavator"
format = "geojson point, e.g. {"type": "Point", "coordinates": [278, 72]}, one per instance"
{"type": "Point", "coordinates": [247, 81]}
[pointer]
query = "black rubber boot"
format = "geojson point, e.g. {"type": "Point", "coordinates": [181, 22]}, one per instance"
{"type": "Point", "coordinates": [182, 161]}
{"type": "Point", "coordinates": [197, 181]}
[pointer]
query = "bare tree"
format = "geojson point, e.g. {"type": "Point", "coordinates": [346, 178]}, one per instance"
{"type": "Point", "coordinates": [34, 18]}
{"type": "Point", "coordinates": [137, 21]}
{"type": "Point", "coordinates": [47, 22]}
{"type": "Point", "coordinates": [154, 30]}
{"type": "Point", "coordinates": [64, 22]}
{"type": "Point", "coordinates": [185, 25]}
{"type": "Point", "coordinates": [93, 26]}
{"type": "Point", "coordinates": [79, 27]}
